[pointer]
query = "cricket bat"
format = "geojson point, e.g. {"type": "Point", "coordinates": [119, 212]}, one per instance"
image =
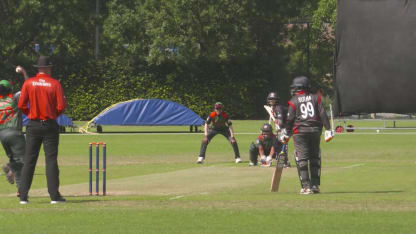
{"type": "Point", "coordinates": [269, 110]}
{"type": "Point", "coordinates": [277, 174]}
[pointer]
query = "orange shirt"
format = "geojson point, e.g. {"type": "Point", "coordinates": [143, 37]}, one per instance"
{"type": "Point", "coordinates": [42, 98]}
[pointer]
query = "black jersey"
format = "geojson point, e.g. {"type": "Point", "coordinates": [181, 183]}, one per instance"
{"type": "Point", "coordinates": [279, 113]}
{"type": "Point", "coordinates": [306, 113]}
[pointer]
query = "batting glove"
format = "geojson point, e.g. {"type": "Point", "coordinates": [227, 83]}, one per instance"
{"type": "Point", "coordinates": [329, 134]}
{"type": "Point", "coordinates": [284, 138]}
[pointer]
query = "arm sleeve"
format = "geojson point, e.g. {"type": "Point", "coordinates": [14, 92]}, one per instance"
{"type": "Point", "coordinates": [16, 96]}
{"type": "Point", "coordinates": [61, 101]}
{"type": "Point", "coordinates": [279, 116]}
{"type": "Point", "coordinates": [322, 114]}
{"type": "Point", "coordinates": [23, 100]}
{"type": "Point", "coordinates": [291, 116]}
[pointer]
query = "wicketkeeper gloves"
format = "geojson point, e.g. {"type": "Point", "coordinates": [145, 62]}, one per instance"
{"type": "Point", "coordinates": [263, 159]}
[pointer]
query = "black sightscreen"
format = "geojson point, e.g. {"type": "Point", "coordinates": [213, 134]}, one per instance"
{"type": "Point", "coordinates": [376, 56]}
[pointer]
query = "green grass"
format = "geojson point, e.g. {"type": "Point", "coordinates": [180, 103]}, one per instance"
{"type": "Point", "coordinates": [154, 186]}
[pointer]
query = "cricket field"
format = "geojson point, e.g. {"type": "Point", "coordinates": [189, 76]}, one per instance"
{"type": "Point", "coordinates": [155, 186]}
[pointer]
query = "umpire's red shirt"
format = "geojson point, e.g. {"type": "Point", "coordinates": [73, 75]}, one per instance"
{"type": "Point", "coordinates": [45, 97]}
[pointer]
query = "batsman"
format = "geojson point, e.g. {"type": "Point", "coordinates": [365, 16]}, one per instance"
{"type": "Point", "coordinates": [305, 119]}
{"type": "Point", "coordinates": [278, 114]}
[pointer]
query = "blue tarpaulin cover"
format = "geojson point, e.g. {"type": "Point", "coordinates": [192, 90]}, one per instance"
{"type": "Point", "coordinates": [150, 112]}
{"type": "Point", "coordinates": [62, 120]}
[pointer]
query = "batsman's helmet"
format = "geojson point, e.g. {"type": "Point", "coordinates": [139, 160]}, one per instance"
{"type": "Point", "coordinates": [218, 105]}
{"type": "Point", "coordinates": [266, 128]}
{"type": "Point", "coordinates": [300, 83]}
{"type": "Point", "coordinates": [272, 98]}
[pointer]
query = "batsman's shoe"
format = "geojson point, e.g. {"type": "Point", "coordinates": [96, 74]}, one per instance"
{"type": "Point", "coordinates": [238, 160]}
{"type": "Point", "coordinates": [286, 165]}
{"type": "Point", "coordinates": [306, 191]}
{"type": "Point", "coordinates": [9, 174]}
{"type": "Point", "coordinates": [252, 164]}
{"type": "Point", "coordinates": [315, 189]}
{"type": "Point", "coordinates": [200, 160]}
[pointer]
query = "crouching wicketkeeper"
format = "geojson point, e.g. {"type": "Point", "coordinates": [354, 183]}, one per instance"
{"type": "Point", "coordinates": [267, 147]}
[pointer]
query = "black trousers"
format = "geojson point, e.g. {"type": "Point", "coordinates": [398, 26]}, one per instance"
{"type": "Point", "coordinates": [213, 132]}
{"type": "Point", "coordinates": [13, 142]}
{"type": "Point", "coordinates": [38, 133]}
{"type": "Point", "coordinates": [308, 158]}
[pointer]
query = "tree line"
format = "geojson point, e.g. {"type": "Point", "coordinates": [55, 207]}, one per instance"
{"type": "Point", "coordinates": [194, 52]}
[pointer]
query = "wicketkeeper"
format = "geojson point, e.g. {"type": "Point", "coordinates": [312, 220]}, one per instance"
{"type": "Point", "coordinates": [266, 147]}
{"type": "Point", "coordinates": [279, 118]}
{"type": "Point", "coordinates": [218, 122]}
{"type": "Point", "coordinates": [305, 120]}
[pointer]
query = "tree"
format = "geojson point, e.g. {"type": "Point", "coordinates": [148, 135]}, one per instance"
{"type": "Point", "coordinates": [63, 29]}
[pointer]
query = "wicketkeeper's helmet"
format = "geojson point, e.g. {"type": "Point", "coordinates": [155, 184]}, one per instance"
{"type": "Point", "coordinates": [300, 83]}
{"type": "Point", "coordinates": [272, 98]}
{"type": "Point", "coordinates": [266, 128]}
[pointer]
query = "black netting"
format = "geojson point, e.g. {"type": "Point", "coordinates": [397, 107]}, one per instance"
{"type": "Point", "coordinates": [376, 56]}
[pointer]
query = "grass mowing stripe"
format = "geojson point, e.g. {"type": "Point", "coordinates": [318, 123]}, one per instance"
{"type": "Point", "coordinates": [211, 221]}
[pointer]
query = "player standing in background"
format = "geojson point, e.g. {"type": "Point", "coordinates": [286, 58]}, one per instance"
{"type": "Point", "coordinates": [218, 122]}
{"type": "Point", "coordinates": [305, 120]}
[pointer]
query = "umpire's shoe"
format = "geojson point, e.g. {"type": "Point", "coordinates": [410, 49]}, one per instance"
{"type": "Point", "coordinates": [23, 200]}
{"type": "Point", "coordinates": [9, 173]}
{"type": "Point", "coordinates": [58, 200]}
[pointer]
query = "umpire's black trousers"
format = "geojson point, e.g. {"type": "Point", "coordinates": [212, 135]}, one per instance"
{"type": "Point", "coordinates": [38, 132]}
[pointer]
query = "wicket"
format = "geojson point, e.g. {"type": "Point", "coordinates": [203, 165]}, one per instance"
{"type": "Point", "coordinates": [97, 167]}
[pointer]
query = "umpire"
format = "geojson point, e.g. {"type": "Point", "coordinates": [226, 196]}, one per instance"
{"type": "Point", "coordinates": [42, 100]}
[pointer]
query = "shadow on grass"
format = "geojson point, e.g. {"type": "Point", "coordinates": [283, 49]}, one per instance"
{"type": "Point", "coordinates": [82, 201]}
{"type": "Point", "coordinates": [362, 192]}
